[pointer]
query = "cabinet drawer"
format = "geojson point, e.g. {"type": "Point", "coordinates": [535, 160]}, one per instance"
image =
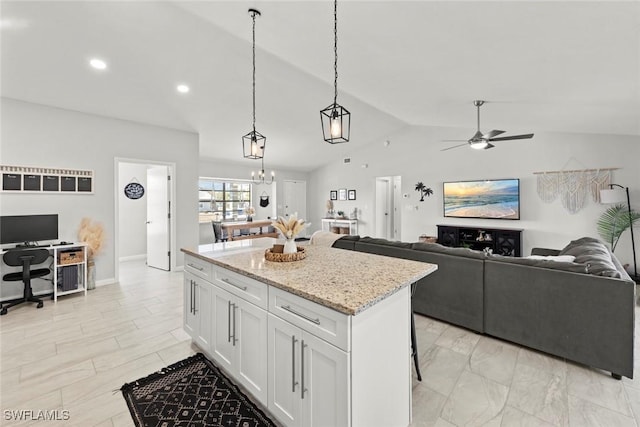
{"type": "Point", "coordinates": [198, 267]}
{"type": "Point", "coordinates": [321, 321]}
{"type": "Point", "coordinates": [244, 287]}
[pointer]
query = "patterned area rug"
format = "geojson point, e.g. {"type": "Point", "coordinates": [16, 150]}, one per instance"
{"type": "Point", "coordinates": [192, 392]}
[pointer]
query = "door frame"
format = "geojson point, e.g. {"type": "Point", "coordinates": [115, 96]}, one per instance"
{"type": "Point", "coordinates": [392, 203]}
{"type": "Point", "coordinates": [172, 211]}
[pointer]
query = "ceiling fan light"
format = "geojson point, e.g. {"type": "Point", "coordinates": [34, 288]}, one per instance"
{"type": "Point", "coordinates": [479, 145]}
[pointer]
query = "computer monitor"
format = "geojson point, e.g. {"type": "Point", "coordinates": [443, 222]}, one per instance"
{"type": "Point", "coordinates": [28, 228]}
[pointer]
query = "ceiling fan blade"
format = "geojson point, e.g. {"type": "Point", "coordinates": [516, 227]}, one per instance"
{"type": "Point", "coordinates": [507, 138]}
{"type": "Point", "coordinates": [489, 146]}
{"type": "Point", "coordinates": [492, 133]}
{"type": "Point", "coordinates": [455, 146]}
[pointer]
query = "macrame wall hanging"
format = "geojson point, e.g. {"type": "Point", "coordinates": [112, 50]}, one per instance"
{"type": "Point", "coordinates": [572, 186]}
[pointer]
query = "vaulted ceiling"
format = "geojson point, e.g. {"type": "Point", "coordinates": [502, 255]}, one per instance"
{"type": "Point", "coordinates": [543, 66]}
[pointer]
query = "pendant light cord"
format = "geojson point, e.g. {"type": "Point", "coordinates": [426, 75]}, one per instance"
{"type": "Point", "coordinates": [254, 70]}
{"type": "Point", "coordinates": [335, 51]}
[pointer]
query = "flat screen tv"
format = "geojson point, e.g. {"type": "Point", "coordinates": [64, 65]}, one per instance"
{"type": "Point", "coordinates": [28, 228]}
{"type": "Point", "coordinates": [495, 199]}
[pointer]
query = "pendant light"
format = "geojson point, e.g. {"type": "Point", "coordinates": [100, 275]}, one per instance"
{"type": "Point", "coordinates": [261, 176]}
{"type": "Point", "coordinates": [253, 143]}
{"type": "Point", "coordinates": [336, 120]}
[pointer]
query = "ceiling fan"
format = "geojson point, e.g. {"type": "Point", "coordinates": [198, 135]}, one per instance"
{"type": "Point", "coordinates": [483, 141]}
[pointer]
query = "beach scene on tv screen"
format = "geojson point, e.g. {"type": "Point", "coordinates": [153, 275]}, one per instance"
{"type": "Point", "coordinates": [498, 199]}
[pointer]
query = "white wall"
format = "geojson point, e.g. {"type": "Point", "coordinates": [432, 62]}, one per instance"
{"type": "Point", "coordinates": [43, 136]}
{"type": "Point", "coordinates": [132, 213]}
{"type": "Point", "coordinates": [241, 170]}
{"type": "Point", "coordinates": [414, 153]}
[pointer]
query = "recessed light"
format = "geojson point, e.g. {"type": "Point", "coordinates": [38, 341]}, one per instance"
{"type": "Point", "coordinates": [98, 64]}
{"type": "Point", "coordinates": [182, 88]}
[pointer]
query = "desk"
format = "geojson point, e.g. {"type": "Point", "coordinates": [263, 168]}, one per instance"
{"type": "Point", "coordinates": [229, 227]}
{"type": "Point", "coordinates": [59, 270]}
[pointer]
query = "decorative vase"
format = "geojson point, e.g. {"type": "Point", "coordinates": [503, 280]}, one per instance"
{"type": "Point", "coordinates": [91, 274]}
{"type": "Point", "coordinates": [290, 246]}
{"type": "Point", "coordinates": [249, 218]}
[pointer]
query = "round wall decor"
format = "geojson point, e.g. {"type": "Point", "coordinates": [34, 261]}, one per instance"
{"type": "Point", "coordinates": [134, 190]}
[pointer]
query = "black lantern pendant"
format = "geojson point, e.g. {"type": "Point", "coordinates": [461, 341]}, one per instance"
{"type": "Point", "coordinates": [336, 120]}
{"type": "Point", "coordinates": [254, 142]}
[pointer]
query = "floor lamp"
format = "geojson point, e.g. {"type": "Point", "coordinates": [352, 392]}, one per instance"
{"type": "Point", "coordinates": [620, 194]}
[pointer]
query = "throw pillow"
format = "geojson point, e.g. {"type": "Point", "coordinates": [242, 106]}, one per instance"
{"type": "Point", "coordinates": [556, 258]}
{"type": "Point", "coordinates": [595, 254]}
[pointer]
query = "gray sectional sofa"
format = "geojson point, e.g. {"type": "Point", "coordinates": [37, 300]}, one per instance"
{"type": "Point", "coordinates": [582, 311]}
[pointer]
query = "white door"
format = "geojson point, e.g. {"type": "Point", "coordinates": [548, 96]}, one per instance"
{"type": "Point", "coordinates": [325, 377]}
{"type": "Point", "coordinates": [383, 208]}
{"type": "Point", "coordinates": [284, 342]}
{"type": "Point", "coordinates": [158, 209]}
{"type": "Point", "coordinates": [295, 199]}
{"type": "Point", "coordinates": [251, 348]}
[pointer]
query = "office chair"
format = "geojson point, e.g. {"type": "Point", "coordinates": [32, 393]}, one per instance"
{"type": "Point", "coordinates": [218, 234]}
{"type": "Point", "coordinates": [25, 259]}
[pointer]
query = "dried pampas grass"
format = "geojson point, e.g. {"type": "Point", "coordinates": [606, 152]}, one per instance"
{"type": "Point", "coordinates": [91, 233]}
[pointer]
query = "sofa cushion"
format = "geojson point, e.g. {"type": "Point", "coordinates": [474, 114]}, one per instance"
{"type": "Point", "coordinates": [385, 242]}
{"type": "Point", "coordinates": [572, 267]}
{"type": "Point", "coordinates": [438, 248]}
{"type": "Point", "coordinates": [595, 254]}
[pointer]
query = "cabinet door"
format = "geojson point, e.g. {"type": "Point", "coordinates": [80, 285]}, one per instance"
{"type": "Point", "coordinates": [251, 347]}
{"type": "Point", "coordinates": [190, 319]}
{"type": "Point", "coordinates": [222, 337]}
{"type": "Point", "coordinates": [447, 236]}
{"type": "Point", "coordinates": [325, 378]}
{"type": "Point", "coordinates": [283, 371]}
{"type": "Point", "coordinates": [203, 313]}
{"type": "Point", "coordinates": [507, 243]}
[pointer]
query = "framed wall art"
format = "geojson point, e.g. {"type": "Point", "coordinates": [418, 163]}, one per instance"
{"type": "Point", "coordinates": [333, 195]}
{"type": "Point", "coordinates": [342, 194]}
{"type": "Point", "coordinates": [352, 195]}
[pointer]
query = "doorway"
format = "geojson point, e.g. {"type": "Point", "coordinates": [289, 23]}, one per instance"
{"type": "Point", "coordinates": [295, 199]}
{"type": "Point", "coordinates": [144, 225]}
{"type": "Point", "coordinates": [387, 202]}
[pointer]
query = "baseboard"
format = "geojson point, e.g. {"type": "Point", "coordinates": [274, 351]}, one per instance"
{"type": "Point", "coordinates": [104, 282]}
{"type": "Point", "coordinates": [132, 257]}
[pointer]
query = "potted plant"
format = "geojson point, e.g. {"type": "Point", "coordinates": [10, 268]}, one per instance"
{"type": "Point", "coordinates": [615, 221]}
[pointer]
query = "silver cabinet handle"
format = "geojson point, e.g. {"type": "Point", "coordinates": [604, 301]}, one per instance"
{"type": "Point", "coordinates": [229, 321]}
{"type": "Point", "coordinates": [235, 306]}
{"type": "Point", "coordinates": [302, 389]}
{"type": "Point", "coordinates": [191, 296]}
{"type": "Point", "coordinates": [297, 313]}
{"type": "Point", "coordinates": [242, 288]}
{"type": "Point", "coordinates": [195, 301]}
{"type": "Point", "coordinates": [195, 266]}
{"type": "Point", "coordinates": [294, 383]}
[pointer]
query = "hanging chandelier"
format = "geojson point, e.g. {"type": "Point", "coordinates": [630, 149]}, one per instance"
{"type": "Point", "coordinates": [336, 120]}
{"type": "Point", "coordinates": [254, 142]}
{"type": "Point", "coordinates": [261, 176]}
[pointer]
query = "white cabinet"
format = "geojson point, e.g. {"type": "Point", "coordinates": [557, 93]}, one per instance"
{"type": "Point", "coordinates": [197, 313]}
{"type": "Point", "coordinates": [239, 341]}
{"type": "Point", "coordinates": [308, 378]}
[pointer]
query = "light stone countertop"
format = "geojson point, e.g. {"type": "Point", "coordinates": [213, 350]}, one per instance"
{"type": "Point", "coordinates": [344, 280]}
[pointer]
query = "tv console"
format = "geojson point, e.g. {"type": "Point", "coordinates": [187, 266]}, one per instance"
{"type": "Point", "coordinates": [499, 241]}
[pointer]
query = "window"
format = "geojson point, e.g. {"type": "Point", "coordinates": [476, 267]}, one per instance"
{"type": "Point", "coordinates": [226, 200]}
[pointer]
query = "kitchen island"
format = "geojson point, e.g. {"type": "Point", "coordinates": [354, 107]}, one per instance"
{"type": "Point", "coordinates": [321, 341]}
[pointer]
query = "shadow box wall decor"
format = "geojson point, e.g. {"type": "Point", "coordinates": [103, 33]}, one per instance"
{"type": "Point", "coordinates": [30, 179]}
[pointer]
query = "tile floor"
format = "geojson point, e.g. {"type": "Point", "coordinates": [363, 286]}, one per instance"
{"type": "Point", "coordinates": [73, 357]}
